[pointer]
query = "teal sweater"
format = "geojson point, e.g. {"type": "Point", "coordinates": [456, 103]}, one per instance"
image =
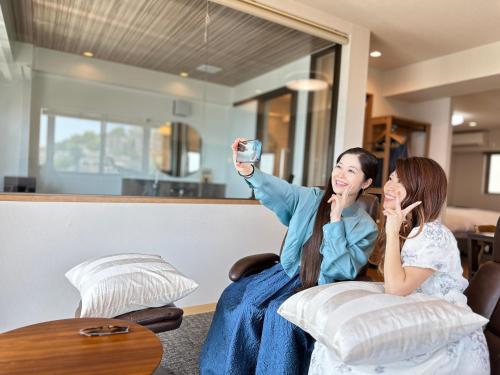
{"type": "Point", "coordinates": [346, 245]}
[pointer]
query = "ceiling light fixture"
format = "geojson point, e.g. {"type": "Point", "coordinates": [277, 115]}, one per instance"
{"type": "Point", "coordinates": [308, 84]}
{"type": "Point", "coordinates": [457, 119]}
{"type": "Point", "coordinates": [210, 69]}
{"type": "Point", "coordinates": [302, 81]}
{"type": "Point", "coordinates": [375, 54]}
{"type": "Point", "coordinates": [472, 123]}
{"type": "Point", "coordinates": [88, 54]}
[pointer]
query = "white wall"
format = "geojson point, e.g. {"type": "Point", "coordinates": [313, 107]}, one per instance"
{"type": "Point", "coordinates": [473, 70]}
{"type": "Point", "coordinates": [41, 241]}
{"type": "Point", "coordinates": [467, 182]}
{"type": "Point", "coordinates": [352, 91]}
{"type": "Point", "coordinates": [437, 112]}
{"type": "Point", "coordinates": [383, 106]}
{"type": "Point", "coordinates": [468, 175]}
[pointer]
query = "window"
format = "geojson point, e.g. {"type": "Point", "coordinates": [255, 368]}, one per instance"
{"type": "Point", "coordinates": [82, 145]}
{"type": "Point", "coordinates": [493, 174]}
{"type": "Point", "coordinates": [77, 145]}
{"type": "Point", "coordinates": [123, 151]}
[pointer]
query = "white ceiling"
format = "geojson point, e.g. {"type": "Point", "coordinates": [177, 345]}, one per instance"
{"type": "Point", "coordinates": [483, 108]}
{"type": "Point", "coordinates": [408, 31]}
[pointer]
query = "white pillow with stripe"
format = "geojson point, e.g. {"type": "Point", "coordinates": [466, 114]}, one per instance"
{"type": "Point", "coordinates": [361, 324]}
{"type": "Point", "coordinates": [117, 284]}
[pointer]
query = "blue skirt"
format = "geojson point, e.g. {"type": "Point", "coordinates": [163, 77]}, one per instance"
{"type": "Point", "coordinates": [247, 336]}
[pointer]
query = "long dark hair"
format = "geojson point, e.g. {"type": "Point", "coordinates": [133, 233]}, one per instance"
{"type": "Point", "coordinates": [311, 256]}
{"type": "Point", "coordinates": [424, 180]}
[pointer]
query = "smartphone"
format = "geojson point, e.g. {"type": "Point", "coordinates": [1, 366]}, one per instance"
{"type": "Point", "coordinates": [103, 330]}
{"type": "Point", "coordinates": [249, 151]}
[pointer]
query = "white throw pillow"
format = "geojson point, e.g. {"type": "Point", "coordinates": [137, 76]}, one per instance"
{"type": "Point", "coordinates": [363, 325]}
{"type": "Point", "coordinates": [117, 284]}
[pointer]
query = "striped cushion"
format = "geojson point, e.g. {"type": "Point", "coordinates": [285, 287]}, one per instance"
{"type": "Point", "coordinates": [361, 324]}
{"type": "Point", "coordinates": [117, 284]}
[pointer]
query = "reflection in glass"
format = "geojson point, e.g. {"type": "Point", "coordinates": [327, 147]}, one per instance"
{"type": "Point", "coordinates": [176, 149]}
{"type": "Point", "coordinates": [42, 148]}
{"type": "Point", "coordinates": [124, 145]}
{"type": "Point", "coordinates": [77, 145]}
{"type": "Point", "coordinates": [276, 130]}
{"type": "Point", "coordinates": [319, 158]}
{"type": "Point", "coordinates": [100, 117]}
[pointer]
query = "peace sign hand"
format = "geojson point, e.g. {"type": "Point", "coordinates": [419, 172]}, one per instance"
{"type": "Point", "coordinates": [338, 203]}
{"type": "Point", "coordinates": [396, 216]}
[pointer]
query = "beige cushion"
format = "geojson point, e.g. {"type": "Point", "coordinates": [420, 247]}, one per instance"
{"type": "Point", "coordinates": [361, 324]}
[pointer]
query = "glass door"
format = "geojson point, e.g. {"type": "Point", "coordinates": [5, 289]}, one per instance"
{"type": "Point", "coordinates": [321, 119]}
{"type": "Point", "coordinates": [276, 130]}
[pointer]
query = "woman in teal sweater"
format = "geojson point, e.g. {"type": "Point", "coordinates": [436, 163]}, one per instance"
{"type": "Point", "coordinates": [329, 239]}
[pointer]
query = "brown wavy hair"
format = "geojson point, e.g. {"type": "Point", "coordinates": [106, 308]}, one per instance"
{"type": "Point", "coordinates": [424, 180]}
{"type": "Point", "coordinates": [311, 257]}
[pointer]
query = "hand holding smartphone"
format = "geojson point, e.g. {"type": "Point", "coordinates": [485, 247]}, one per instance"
{"type": "Point", "coordinates": [249, 151]}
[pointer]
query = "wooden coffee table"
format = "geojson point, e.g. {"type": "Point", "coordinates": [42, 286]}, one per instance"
{"type": "Point", "coordinates": [56, 347]}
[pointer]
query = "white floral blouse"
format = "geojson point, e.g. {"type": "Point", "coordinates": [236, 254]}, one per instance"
{"type": "Point", "coordinates": [436, 248]}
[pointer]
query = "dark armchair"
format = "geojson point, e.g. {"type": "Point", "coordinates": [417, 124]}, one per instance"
{"type": "Point", "coordinates": [255, 263]}
{"type": "Point", "coordinates": [157, 319]}
{"type": "Point", "coordinates": [483, 295]}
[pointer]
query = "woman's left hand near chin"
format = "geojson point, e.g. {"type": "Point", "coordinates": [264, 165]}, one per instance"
{"type": "Point", "coordinates": [338, 204]}
{"type": "Point", "coordinates": [396, 216]}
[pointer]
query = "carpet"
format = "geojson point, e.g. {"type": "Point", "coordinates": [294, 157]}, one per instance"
{"type": "Point", "coordinates": [181, 347]}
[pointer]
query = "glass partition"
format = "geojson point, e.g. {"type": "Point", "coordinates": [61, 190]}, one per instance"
{"type": "Point", "coordinates": [145, 98]}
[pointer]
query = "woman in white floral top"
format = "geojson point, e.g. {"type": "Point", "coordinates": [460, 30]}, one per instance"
{"type": "Point", "coordinates": [421, 255]}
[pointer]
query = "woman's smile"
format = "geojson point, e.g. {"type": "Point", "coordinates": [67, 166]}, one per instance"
{"type": "Point", "coordinates": [340, 183]}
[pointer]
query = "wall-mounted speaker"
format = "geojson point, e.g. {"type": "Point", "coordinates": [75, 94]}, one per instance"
{"type": "Point", "coordinates": [182, 108]}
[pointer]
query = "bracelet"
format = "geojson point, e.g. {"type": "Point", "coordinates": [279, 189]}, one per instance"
{"type": "Point", "coordinates": [247, 175]}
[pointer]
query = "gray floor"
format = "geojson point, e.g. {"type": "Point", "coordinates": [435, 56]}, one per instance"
{"type": "Point", "coordinates": [181, 347]}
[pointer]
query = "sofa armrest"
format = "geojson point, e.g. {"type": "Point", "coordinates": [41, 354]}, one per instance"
{"type": "Point", "coordinates": [146, 316]}
{"type": "Point", "coordinates": [152, 315]}
{"type": "Point", "coordinates": [252, 264]}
